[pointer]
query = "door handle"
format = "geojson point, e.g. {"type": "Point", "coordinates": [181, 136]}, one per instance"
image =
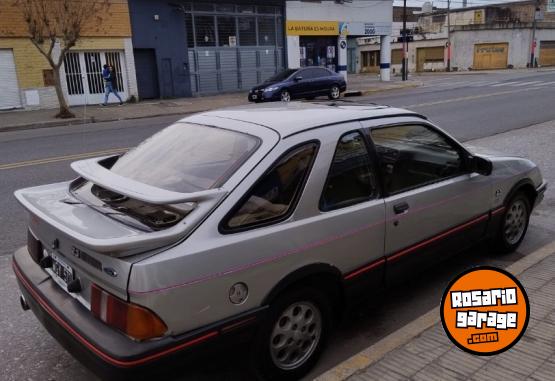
{"type": "Point", "coordinates": [400, 208]}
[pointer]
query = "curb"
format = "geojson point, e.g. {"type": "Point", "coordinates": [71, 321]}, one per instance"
{"type": "Point", "coordinates": [392, 87]}
{"type": "Point", "coordinates": [73, 122]}
{"type": "Point", "coordinates": [403, 335]}
{"type": "Point", "coordinates": [76, 121]}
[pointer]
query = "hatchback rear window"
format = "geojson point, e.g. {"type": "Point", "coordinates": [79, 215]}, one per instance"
{"type": "Point", "coordinates": [187, 157]}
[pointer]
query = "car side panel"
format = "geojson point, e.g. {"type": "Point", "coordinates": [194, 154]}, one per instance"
{"type": "Point", "coordinates": [438, 215]}
{"type": "Point", "coordinates": [188, 285]}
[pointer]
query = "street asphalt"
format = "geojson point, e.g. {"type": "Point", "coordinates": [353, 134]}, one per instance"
{"type": "Point", "coordinates": [469, 106]}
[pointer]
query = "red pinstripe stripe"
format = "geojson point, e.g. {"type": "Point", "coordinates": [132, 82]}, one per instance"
{"type": "Point", "coordinates": [106, 357]}
{"type": "Point", "coordinates": [410, 249]}
{"type": "Point", "coordinates": [366, 268]}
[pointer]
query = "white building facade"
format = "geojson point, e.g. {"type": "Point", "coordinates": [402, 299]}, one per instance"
{"type": "Point", "coordinates": [318, 32]}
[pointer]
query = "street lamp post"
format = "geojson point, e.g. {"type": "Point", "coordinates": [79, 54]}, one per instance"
{"type": "Point", "coordinates": [405, 43]}
{"type": "Point", "coordinates": [448, 35]}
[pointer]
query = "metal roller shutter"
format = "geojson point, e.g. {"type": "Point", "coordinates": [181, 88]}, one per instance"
{"type": "Point", "coordinates": [491, 56]}
{"type": "Point", "coordinates": [428, 59]}
{"type": "Point", "coordinates": [547, 53]}
{"type": "Point", "coordinates": [9, 96]}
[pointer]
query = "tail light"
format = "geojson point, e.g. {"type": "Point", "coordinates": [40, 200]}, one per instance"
{"type": "Point", "coordinates": [135, 321]}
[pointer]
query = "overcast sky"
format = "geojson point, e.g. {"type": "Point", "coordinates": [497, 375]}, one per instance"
{"type": "Point", "coordinates": [454, 3]}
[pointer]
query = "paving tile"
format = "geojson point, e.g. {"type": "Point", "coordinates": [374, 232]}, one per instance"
{"type": "Point", "coordinates": [461, 362]}
{"type": "Point", "coordinates": [435, 372]}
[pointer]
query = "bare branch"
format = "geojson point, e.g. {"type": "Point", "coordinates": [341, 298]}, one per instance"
{"type": "Point", "coordinates": [59, 21]}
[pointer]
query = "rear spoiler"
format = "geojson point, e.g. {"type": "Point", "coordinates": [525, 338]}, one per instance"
{"type": "Point", "coordinates": [92, 170]}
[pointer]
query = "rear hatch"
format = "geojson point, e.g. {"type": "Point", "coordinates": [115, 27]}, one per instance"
{"type": "Point", "coordinates": [121, 210]}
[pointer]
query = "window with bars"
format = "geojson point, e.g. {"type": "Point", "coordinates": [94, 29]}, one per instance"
{"type": "Point", "coordinates": [266, 31]}
{"type": "Point", "coordinates": [74, 80]}
{"type": "Point", "coordinates": [247, 31]}
{"type": "Point", "coordinates": [227, 35]}
{"type": "Point", "coordinates": [93, 66]}
{"type": "Point", "coordinates": [205, 31]}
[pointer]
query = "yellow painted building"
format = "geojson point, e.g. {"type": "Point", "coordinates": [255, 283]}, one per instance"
{"type": "Point", "coordinates": [26, 76]}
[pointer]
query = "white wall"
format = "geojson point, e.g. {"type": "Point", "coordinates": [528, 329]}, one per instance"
{"type": "Point", "coordinates": [357, 11]}
{"type": "Point", "coordinates": [463, 45]}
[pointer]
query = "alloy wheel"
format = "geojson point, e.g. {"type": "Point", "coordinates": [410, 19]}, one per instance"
{"type": "Point", "coordinates": [296, 335]}
{"type": "Point", "coordinates": [285, 96]}
{"type": "Point", "coordinates": [515, 222]}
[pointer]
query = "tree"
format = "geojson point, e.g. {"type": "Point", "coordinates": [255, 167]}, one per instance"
{"type": "Point", "coordinates": [59, 21]}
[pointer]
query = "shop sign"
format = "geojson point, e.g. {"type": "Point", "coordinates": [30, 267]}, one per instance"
{"type": "Point", "coordinates": [365, 29]}
{"type": "Point", "coordinates": [312, 28]}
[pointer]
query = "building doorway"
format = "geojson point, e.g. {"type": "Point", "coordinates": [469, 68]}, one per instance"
{"type": "Point", "coordinates": [319, 51]}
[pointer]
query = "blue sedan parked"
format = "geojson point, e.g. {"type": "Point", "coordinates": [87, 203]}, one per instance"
{"type": "Point", "coordinates": [299, 83]}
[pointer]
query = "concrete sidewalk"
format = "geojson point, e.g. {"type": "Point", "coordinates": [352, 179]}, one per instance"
{"type": "Point", "coordinates": [23, 119]}
{"type": "Point", "coordinates": [422, 351]}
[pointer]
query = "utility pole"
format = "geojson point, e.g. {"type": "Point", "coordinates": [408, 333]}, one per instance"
{"type": "Point", "coordinates": [405, 43]}
{"type": "Point", "coordinates": [448, 35]}
{"type": "Point", "coordinates": [533, 42]}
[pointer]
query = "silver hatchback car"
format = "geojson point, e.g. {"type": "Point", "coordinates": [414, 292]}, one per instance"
{"type": "Point", "coordinates": [256, 224]}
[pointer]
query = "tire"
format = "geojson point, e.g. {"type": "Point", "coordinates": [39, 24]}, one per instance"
{"type": "Point", "coordinates": [285, 96]}
{"type": "Point", "coordinates": [514, 224]}
{"type": "Point", "coordinates": [293, 335]}
{"type": "Point", "coordinates": [335, 93]}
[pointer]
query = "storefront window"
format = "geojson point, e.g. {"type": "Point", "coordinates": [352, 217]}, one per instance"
{"type": "Point", "coordinates": [247, 31]}
{"type": "Point", "coordinates": [266, 31]}
{"type": "Point", "coordinates": [318, 51]}
{"type": "Point", "coordinates": [227, 35]}
{"type": "Point", "coordinates": [204, 28]}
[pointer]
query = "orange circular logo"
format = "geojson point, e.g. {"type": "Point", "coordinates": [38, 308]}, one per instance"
{"type": "Point", "coordinates": [485, 311]}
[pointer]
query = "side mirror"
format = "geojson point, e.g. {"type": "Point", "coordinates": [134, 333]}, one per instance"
{"type": "Point", "coordinates": [480, 165]}
{"type": "Point", "coordinates": [298, 78]}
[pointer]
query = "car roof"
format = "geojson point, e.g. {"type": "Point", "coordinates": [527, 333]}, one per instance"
{"type": "Point", "coordinates": [293, 117]}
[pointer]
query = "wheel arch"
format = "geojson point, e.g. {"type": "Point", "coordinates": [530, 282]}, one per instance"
{"type": "Point", "coordinates": [525, 186]}
{"type": "Point", "coordinates": [321, 275]}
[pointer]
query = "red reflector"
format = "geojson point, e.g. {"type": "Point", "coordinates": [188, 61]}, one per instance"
{"type": "Point", "coordinates": [34, 247]}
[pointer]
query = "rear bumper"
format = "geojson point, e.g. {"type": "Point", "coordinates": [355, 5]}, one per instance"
{"type": "Point", "coordinates": [107, 352]}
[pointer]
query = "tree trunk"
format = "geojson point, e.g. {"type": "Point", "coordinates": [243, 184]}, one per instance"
{"type": "Point", "coordinates": [64, 112]}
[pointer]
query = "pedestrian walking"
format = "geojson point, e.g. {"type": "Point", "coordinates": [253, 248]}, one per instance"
{"type": "Point", "coordinates": [109, 76]}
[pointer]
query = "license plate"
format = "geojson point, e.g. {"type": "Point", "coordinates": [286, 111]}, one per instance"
{"type": "Point", "coordinates": [61, 270]}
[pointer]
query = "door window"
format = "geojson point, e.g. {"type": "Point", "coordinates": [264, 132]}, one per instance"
{"type": "Point", "coordinates": [274, 196]}
{"type": "Point", "coordinates": [415, 155]}
{"type": "Point", "coordinates": [350, 179]}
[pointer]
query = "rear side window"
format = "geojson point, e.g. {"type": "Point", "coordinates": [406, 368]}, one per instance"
{"type": "Point", "coordinates": [322, 73]}
{"type": "Point", "coordinates": [274, 196]}
{"type": "Point", "coordinates": [350, 179]}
